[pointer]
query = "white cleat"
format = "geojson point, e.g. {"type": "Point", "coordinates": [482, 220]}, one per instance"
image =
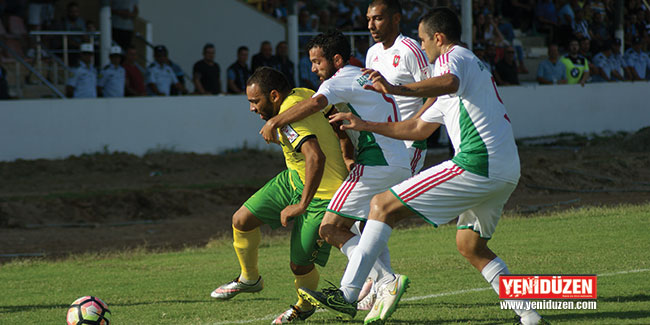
{"type": "Point", "coordinates": [389, 291]}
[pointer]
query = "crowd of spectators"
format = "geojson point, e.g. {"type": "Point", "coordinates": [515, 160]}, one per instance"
{"type": "Point", "coordinates": [579, 35]}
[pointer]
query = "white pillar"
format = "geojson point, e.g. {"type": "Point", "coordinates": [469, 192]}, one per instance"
{"type": "Point", "coordinates": [105, 30]}
{"type": "Point", "coordinates": [466, 22]}
{"type": "Point", "coordinates": [149, 37]}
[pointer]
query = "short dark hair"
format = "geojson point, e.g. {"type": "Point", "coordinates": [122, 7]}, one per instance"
{"type": "Point", "coordinates": [242, 48]}
{"type": "Point", "coordinates": [268, 79]}
{"type": "Point", "coordinates": [207, 46]}
{"type": "Point", "coordinates": [392, 6]}
{"type": "Point", "coordinates": [332, 43]}
{"type": "Point", "coordinates": [442, 20]}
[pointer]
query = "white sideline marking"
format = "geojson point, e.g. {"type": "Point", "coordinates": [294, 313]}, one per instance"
{"type": "Point", "coordinates": [451, 293]}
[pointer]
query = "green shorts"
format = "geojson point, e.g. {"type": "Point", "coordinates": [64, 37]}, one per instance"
{"type": "Point", "coordinates": [266, 204]}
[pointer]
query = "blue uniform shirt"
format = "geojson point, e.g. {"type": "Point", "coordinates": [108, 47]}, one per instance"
{"type": "Point", "coordinates": [112, 79]}
{"type": "Point", "coordinates": [552, 72]}
{"type": "Point", "coordinates": [604, 63]}
{"type": "Point", "coordinates": [162, 76]}
{"type": "Point", "coordinates": [637, 60]}
{"type": "Point", "coordinates": [84, 81]}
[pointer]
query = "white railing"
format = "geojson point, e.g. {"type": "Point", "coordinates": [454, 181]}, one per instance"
{"type": "Point", "coordinates": [65, 50]}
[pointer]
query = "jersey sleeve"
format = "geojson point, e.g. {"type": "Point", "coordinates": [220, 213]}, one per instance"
{"type": "Point", "coordinates": [334, 91]}
{"type": "Point", "coordinates": [298, 132]}
{"type": "Point", "coordinates": [432, 115]}
{"type": "Point", "coordinates": [416, 61]}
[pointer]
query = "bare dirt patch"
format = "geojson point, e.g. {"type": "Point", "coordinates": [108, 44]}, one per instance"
{"type": "Point", "coordinates": [111, 201]}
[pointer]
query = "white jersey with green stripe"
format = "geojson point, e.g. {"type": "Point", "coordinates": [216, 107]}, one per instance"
{"type": "Point", "coordinates": [475, 118]}
{"type": "Point", "coordinates": [403, 63]}
{"type": "Point", "coordinates": [345, 91]}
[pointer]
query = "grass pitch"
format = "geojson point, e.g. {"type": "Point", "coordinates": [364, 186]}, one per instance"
{"type": "Point", "coordinates": [173, 287]}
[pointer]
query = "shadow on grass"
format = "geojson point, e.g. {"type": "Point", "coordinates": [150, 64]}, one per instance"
{"type": "Point", "coordinates": [632, 314]}
{"type": "Point", "coordinates": [15, 309]}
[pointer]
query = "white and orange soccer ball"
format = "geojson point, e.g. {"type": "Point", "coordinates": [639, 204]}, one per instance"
{"type": "Point", "coordinates": [89, 310]}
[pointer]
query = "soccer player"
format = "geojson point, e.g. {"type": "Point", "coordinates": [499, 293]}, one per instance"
{"type": "Point", "coordinates": [380, 161]}
{"type": "Point", "coordinates": [315, 170]}
{"type": "Point", "coordinates": [401, 61]}
{"type": "Point", "coordinates": [472, 186]}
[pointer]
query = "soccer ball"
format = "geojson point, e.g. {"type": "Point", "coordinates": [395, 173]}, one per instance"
{"type": "Point", "coordinates": [89, 310]}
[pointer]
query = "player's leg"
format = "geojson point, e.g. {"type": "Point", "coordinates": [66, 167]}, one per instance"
{"type": "Point", "coordinates": [475, 228]}
{"type": "Point", "coordinates": [263, 207]}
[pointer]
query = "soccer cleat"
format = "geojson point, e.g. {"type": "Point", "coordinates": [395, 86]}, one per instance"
{"type": "Point", "coordinates": [331, 299]}
{"type": "Point", "coordinates": [541, 321]}
{"type": "Point", "coordinates": [389, 291]}
{"type": "Point", "coordinates": [293, 314]}
{"type": "Point", "coordinates": [235, 287]}
{"type": "Point", "coordinates": [367, 296]}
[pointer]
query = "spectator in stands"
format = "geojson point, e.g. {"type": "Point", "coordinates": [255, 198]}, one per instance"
{"type": "Point", "coordinates": [112, 78]}
{"type": "Point", "coordinates": [546, 18]}
{"type": "Point", "coordinates": [551, 71]}
{"type": "Point", "coordinates": [276, 9]}
{"type": "Point", "coordinates": [324, 21]}
{"type": "Point", "coordinates": [304, 25]}
{"type": "Point", "coordinates": [618, 62]}
{"type": "Point", "coordinates": [40, 14]}
{"type": "Point", "coordinates": [577, 67]}
{"type": "Point", "coordinates": [479, 51]}
{"type": "Point", "coordinates": [566, 15]}
{"type": "Point", "coordinates": [282, 63]}
{"type": "Point", "coordinates": [585, 50]}
{"type": "Point", "coordinates": [161, 76]}
{"type": "Point", "coordinates": [607, 71]}
{"type": "Point", "coordinates": [580, 26]}
{"type": "Point", "coordinates": [123, 15]}
{"type": "Point", "coordinates": [206, 73]}
{"type": "Point", "coordinates": [73, 22]}
{"type": "Point", "coordinates": [134, 83]}
{"type": "Point", "coordinates": [348, 15]}
{"type": "Point", "coordinates": [180, 75]}
{"type": "Point", "coordinates": [308, 79]}
{"type": "Point", "coordinates": [631, 28]}
{"type": "Point", "coordinates": [491, 59]}
{"type": "Point", "coordinates": [507, 68]}
{"type": "Point", "coordinates": [637, 60]}
{"type": "Point", "coordinates": [599, 31]}
{"type": "Point", "coordinates": [263, 58]}
{"type": "Point", "coordinates": [238, 72]}
{"type": "Point", "coordinates": [83, 82]}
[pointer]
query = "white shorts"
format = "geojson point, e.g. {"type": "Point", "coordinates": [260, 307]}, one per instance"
{"type": "Point", "coordinates": [352, 199]}
{"type": "Point", "coordinates": [417, 159]}
{"type": "Point", "coordinates": [446, 191]}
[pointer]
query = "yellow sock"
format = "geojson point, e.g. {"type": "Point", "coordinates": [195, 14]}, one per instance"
{"type": "Point", "coordinates": [309, 281]}
{"type": "Point", "coordinates": [246, 244]}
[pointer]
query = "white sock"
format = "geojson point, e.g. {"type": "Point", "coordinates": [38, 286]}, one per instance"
{"type": "Point", "coordinates": [381, 267]}
{"type": "Point", "coordinates": [491, 273]}
{"type": "Point", "coordinates": [373, 241]}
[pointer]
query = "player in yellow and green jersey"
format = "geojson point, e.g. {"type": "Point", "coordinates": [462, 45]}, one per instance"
{"type": "Point", "coordinates": [315, 170]}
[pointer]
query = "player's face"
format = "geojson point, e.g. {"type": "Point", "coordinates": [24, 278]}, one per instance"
{"type": "Point", "coordinates": [429, 44]}
{"type": "Point", "coordinates": [380, 23]}
{"type": "Point", "coordinates": [115, 59]}
{"type": "Point", "coordinates": [320, 65]}
{"type": "Point", "coordinates": [259, 102]}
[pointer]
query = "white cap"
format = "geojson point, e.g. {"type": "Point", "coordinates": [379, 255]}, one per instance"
{"type": "Point", "coordinates": [116, 49]}
{"type": "Point", "coordinates": [87, 47]}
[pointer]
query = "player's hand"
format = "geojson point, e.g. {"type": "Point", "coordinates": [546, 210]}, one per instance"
{"type": "Point", "coordinates": [269, 132]}
{"type": "Point", "coordinates": [379, 83]}
{"type": "Point", "coordinates": [291, 211]}
{"type": "Point", "coordinates": [354, 122]}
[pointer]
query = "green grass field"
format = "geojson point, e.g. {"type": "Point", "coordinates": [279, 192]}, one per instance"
{"type": "Point", "coordinates": [173, 287]}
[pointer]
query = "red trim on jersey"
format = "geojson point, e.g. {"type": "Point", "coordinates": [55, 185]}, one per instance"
{"type": "Point", "coordinates": [392, 102]}
{"type": "Point", "coordinates": [449, 176]}
{"type": "Point", "coordinates": [416, 158]}
{"type": "Point", "coordinates": [418, 54]}
{"type": "Point", "coordinates": [357, 173]}
{"type": "Point", "coordinates": [424, 185]}
{"type": "Point", "coordinates": [344, 187]}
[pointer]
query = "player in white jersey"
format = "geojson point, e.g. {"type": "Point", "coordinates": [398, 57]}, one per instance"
{"type": "Point", "coordinates": [473, 186]}
{"type": "Point", "coordinates": [380, 161]}
{"type": "Point", "coordinates": [401, 61]}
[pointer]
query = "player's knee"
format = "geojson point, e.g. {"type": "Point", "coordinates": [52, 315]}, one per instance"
{"type": "Point", "coordinates": [326, 231]}
{"type": "Point", "coordinates": [241, 220]}
{"type": "Point", "coordinates": [300, 269]}
{"type": "Point", "coordinates": [384, 209]}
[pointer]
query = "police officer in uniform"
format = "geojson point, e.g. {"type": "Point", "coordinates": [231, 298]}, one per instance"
{"type": "Point", "coordinates": [83, 82]}
{"type": "Point", "coordinates": [113, 76]}
{"type": "Point", "coordinates": [160, 75]}
{"type": "Point", "coordinates": [577, 66]}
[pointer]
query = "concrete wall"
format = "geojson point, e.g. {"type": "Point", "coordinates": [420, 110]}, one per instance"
{"type": "Point", "coordinates": [31, 129]}
{"type": "Point", "coordinates": [185, 26]}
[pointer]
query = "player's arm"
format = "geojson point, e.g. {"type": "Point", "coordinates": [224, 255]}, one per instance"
{"type": "Point", "coordinates": [198, 86]}
{"type": "Point", "coordinates": [295, 113]}
{"type": "Point", "coordinates": [411, 129]}
{"type": "Point", "coordinates": [428, 103]}
{"type": "Point", "coordinates": [347, 148]}
{"type": "Point", "coordinates": [432, 87]}
{"type": "Point", "coordinates": [314, 169]}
